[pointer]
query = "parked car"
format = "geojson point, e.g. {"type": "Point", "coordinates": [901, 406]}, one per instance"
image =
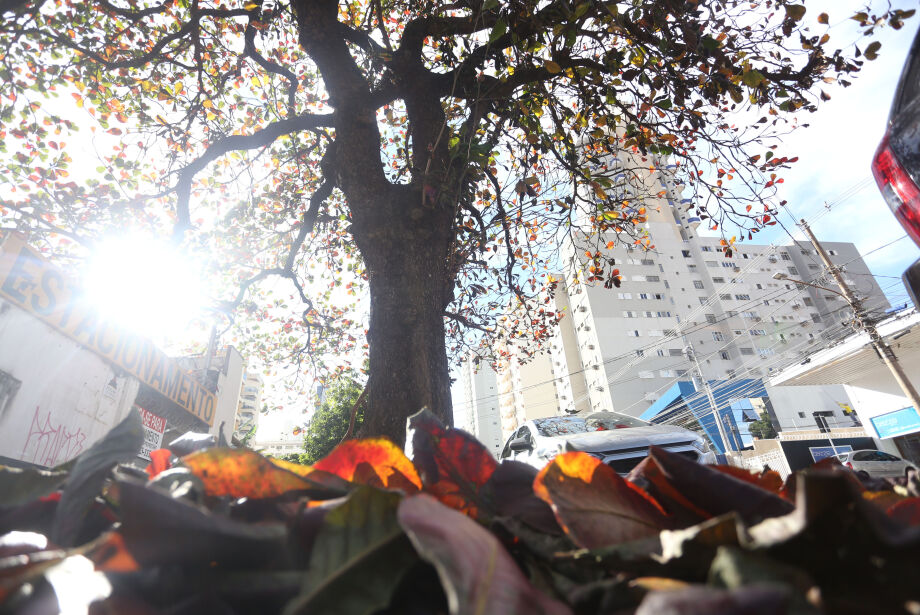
{"type": "Point", "coordinates": [876, 463]}
{"type": "Point", "coordinates": [621, 441]}
{"type": "Point", "coordinates": [896, 164]}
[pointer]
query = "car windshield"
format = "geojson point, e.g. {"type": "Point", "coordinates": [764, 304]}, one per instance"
{"type": "Point", "coordinates": [567, 425]}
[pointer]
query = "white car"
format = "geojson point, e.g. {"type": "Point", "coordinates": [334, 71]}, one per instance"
{"type": "Point", "coordinates": [876, 463]}
{"type": "Point", "coordinates": [620, 441]}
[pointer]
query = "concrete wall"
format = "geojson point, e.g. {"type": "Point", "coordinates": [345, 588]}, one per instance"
{"type": "Point", "coordinates": [67, 397]}
{"type": "Point", "coordinates": [793, 406]}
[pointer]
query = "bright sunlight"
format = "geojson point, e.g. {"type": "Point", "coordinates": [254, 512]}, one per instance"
{"type": "Point", "coordinates": [145, 285]}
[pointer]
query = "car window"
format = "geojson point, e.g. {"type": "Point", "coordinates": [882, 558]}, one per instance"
{"type": "Point", "coordinates": [886, 457]}
{"type": "Point", "coordinates": [599, 421]}
{"type": "Point", "coordinates": [864, 456]}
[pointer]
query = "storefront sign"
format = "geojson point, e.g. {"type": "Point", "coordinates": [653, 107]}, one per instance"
{"type": "Point", "coordinates": [823, 452]}
{"type": "Point", "coordinates": [32, 283]}
{"type": "Point", "coordinates": [897, 423]}
{"type": "Point", "coordinates": [154, 427]}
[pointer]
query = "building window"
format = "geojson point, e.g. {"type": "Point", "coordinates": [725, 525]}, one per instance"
{"type": "Point", "coordinates": [815, 318]}
{"type": "Point", "coordinates": [718, 280]}
{"type": "Point", "coordinates": [646, 374]}
{"type": "Point", "coordinates": [717, 336]}
{"type": "Point", "coordinates": [675, 352]}
{"type": "Point", "coordinates": [725, 297]}
{"type": "Point", "coordinates": [757, 332]}
{"type": "Point", "coordinates": [640, 353]}
{"type": "Point", "coordinates": [711, 319]}
{"type": "Point", "coordinates": [686, 253]}
{"type": "Point", "coordinates": [647, 261]}
{"type": "Point", "coordinates": [660, 352]}
{"type": "Point", "coordinates": [643, 295]}
{"type": "Point", "coordinates": [830, 297]}
{"type": "Point", "coordinates": [728, 264]}
{"type": "Point", "coordinates": [742, 297]}
{"type": "Point", "coordinates": [747, 351]}
{"type": "Point", "coordinates": [808, 301]}
{"type": "Point", "coordinates": [784, 256]}
{"type": "Point", "coordinates": [706, 248]}
{"type": "Point", "coordinates": [624, 295]}
{"type": "Point", "coordinates": [725, 356]}
{"type": "Point", "coordinates": [793, 271]}
{"type": "Point", "coordinates": [712, 264]}
{"type": "Point", "coordinates": [832, 252]}
{"type": "Point", "coordinates": [691, 268]}
{"type": "Point", "coordinates": [698, 284]}
{"type": "Point", "coordinates": [652, 278]}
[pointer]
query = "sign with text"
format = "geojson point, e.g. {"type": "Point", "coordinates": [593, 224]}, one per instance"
{"type": "Point", "coordinates": [154, 427]}
{"type": "Point", "coordinates": [823, 452]}
{"type": "Point", "coordinates": [897, 423]}
{"type": "Point", "coordinates": [29, 281]}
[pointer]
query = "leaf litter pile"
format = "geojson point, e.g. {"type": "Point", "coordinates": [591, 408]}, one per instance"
{"type": "Point", "coordinates": [447, 529]}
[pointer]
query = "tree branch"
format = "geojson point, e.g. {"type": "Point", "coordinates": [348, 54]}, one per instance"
{"type": "Point", "coordinates": [260, 138]}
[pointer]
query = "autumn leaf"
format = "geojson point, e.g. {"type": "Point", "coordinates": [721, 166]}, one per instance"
{"type": "Point", "coordinates": [242, 473]}
{"type": "Point", "coordinates": [453, 465]}
{"type": "Point", "coordinates": [376, 462]}
{"type": "Point", "coordinates": [552, 67]}
{"type": "Point", "coordinates": [714, 491]}
{"type": "Point", "coordinates": [594, 505]}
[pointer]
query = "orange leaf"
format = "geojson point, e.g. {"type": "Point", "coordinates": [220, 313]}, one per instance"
{"type": "Point", "coordinates": [111, 555]}
{"type": "Point", "coordinates": [245, 474]}
{"type": "Point", "coordinates": [159, 461]}
{"type": "Point", "coordinates": [594, 505]}
{"type": "Point", "coordinates": [386, 462]}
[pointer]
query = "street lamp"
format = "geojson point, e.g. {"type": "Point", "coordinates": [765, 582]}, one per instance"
{"type": "Point", "coordinates": [779, 275]}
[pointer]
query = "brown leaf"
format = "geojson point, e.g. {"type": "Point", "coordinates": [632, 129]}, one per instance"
{"type": "Point", "coordinates": [716, 492]}
{"type": "Point", "coordinates": [478, 574]}
{"type": "Point", "coordinates": [594, 505]}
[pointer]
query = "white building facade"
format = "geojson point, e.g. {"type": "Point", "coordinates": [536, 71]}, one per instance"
{"type": "Point", "coordinates": [618, 349]}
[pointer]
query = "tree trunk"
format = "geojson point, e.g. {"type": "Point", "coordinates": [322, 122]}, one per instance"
{"type": "Point", "coordinates": [406, 256]}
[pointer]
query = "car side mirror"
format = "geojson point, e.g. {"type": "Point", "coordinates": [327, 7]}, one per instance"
{"type": "Point", "coordinates": [520, 444]}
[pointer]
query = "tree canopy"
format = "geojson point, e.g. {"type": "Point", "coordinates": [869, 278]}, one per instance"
{"type": "Point", "coordinates": [424, 153]}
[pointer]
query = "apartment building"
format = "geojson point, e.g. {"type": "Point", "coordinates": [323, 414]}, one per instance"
{"type": "Point", "coordinates": [250, 404]}
{"type": "Point", "coordinates": [625, 346]}
{"type": "Point", "coordinates": [620, 348]}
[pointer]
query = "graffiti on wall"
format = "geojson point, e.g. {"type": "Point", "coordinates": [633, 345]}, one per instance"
{"type": "Point", "coordinates": [49, 444]}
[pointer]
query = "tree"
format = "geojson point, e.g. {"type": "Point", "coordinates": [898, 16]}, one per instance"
{"type": "Point", "coordinates": [762, 428]}
{"type": "Point", "coordinates": [329, 423]}
{"type": "Point", "coordinates": [428, 150]}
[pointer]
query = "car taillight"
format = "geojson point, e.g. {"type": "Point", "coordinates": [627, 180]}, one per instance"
{"type": "Point", "coordinates": [849, 465]}
{"type": "Point", "coordinates": [898, 189]}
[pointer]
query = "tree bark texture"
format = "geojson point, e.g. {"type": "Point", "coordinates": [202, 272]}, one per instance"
{"type": "Point", "coordinates": [406, 261]}
{"type": "Point", "coordinates": [405, 232]}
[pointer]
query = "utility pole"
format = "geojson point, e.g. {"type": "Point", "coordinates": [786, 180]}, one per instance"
{"type": "Point", "coordinates": [712, 402]}
{"type": "Point", "coordinates": [882, 347]}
